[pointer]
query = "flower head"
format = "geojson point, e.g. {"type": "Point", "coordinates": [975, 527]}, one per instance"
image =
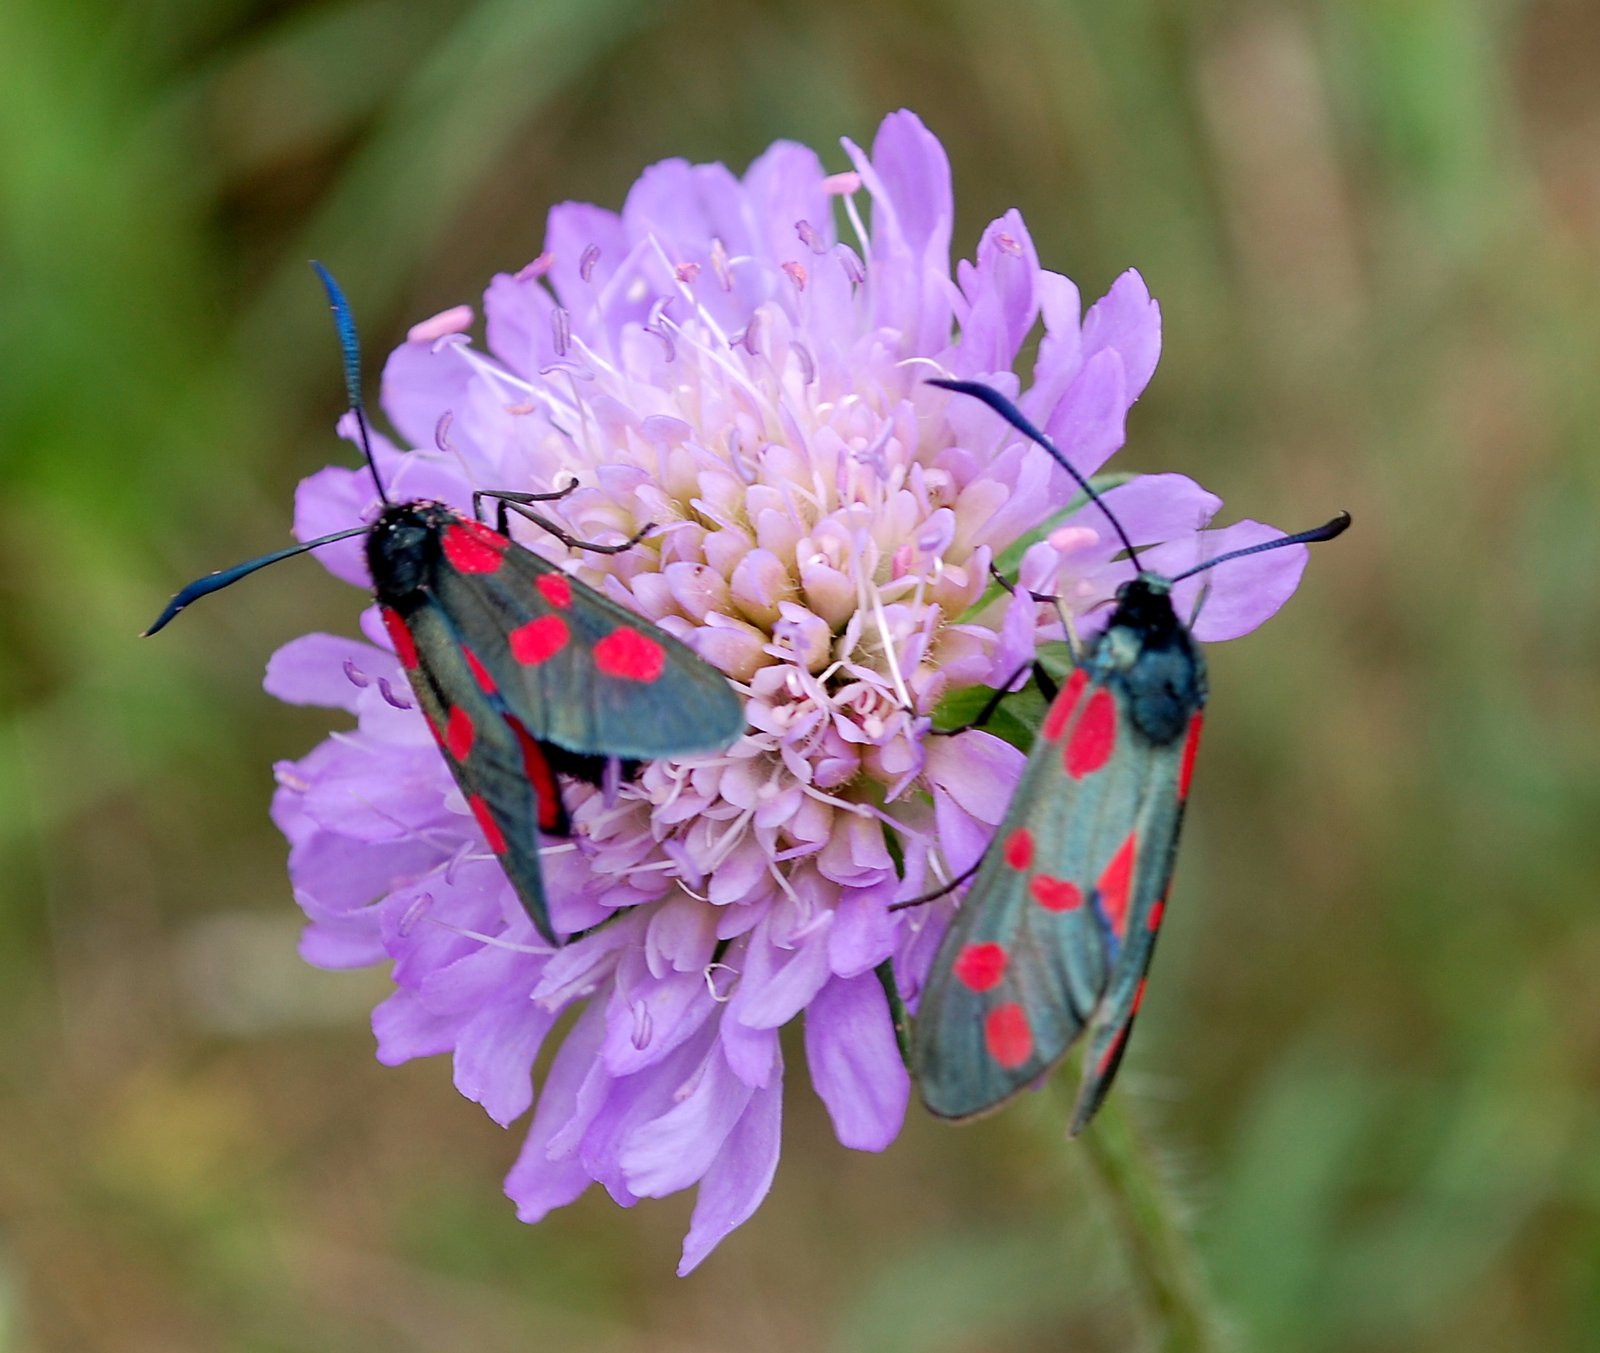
{"type": "Point", "coordinates": [742, 362]}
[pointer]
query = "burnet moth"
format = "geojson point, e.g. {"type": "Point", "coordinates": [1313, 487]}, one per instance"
{"type": "Point", "coordinates": [1055, 935]}
{"type": "Point", "coordinates": [520, 670]}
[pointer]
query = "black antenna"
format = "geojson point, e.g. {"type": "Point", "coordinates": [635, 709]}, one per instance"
{"type": "Point", "coordinates": [1013, 415]}
{"type": "Point", "coordinates": [215, 582]}
{"type": "Point", "coordinates": [1327, 531]}
{"type": "Point", "coordinates": [350, 348]}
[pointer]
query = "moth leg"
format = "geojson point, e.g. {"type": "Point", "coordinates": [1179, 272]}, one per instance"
{"type": "Point", "coordinates": [1047, 688]}
{"type": "Point", "coordinates": [1199, 601]}
{"type": "Point", "coordinates": [1074, 645]}
{"type": "Point", "coordinates": [507, 495]}
{"type": "Point", "coordinates": [939, 892]}
{"type": "Point", "coordinates": [518, 503]}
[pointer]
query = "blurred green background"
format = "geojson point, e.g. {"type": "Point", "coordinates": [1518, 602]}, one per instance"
{"type": "Point", "coordinates": [1370, 1053]}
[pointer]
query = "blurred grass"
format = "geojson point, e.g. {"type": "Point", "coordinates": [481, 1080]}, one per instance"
{"type": "Point", "coordinates": [1372, 1045]}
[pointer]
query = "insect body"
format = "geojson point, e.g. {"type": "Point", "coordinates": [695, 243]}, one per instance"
{"type": "Point", "coordinates": [1055, 935]}
{"type": "Point", "coordinates": [520, 670]}
{"type": "Point", "coordinates": [1057, 930]}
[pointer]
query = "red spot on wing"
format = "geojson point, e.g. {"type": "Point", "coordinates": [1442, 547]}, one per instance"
{"type": "Point", "coordinates": [491, 829]}
{"type": "Point", "coordinates": [629, 655]}
{"type": "Point", "coordinates": [1186, 768]}
{"type": "Point", "coordinates": [1054, 894]}
{"type": "Point", "coordinates": [1116, 883]}
{"type": "Point", "coordinates": [480, 673]}
{"type": "Point", "coordinates": [405, 647]}
{"type": "Point", "coordinates": [555, 588]}
{"type": "Point", "coordinates": [547, 794]}
{"type": "Point", "coordinates": [471, 547]}
{"type": "Point", "coordinates": [1007, 1036]}
{"type": "Point", "coordinates": [1066, 701]}
{"type": "Point", "coordinates": [1108, 1059]}
{"type": "Point", "coordinates": [980, 966]}
{"type": "Point", "coordinates": [458, 733]}
{"type": "Point", "coordinates": [1153, 921]}
{"type": "Point", "coordinates": [1138, 1000]}
{"type": "Point", "coordinates": [539, 640]}
{"type": "Point", "coordinates": [1019, 848]}
{"type": "Point", "coordinates": [1094, 738]}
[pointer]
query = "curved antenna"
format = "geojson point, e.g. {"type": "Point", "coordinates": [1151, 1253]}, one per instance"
{"type": "Point", "coordinates": [350, 348]}
{"type": "Point", "coordinates": [1013, 415]}
{"type": "Point", "coordinates": [215, 582]}
{"type": "Point", "coordinates": [1327, 531]}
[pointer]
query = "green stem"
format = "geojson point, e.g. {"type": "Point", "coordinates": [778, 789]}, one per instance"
{"type": "Point", "coordinates": [1147, 1218]}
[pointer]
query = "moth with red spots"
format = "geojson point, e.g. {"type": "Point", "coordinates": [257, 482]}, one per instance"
{"type": "Point", "coordinates": [520, 670]}
{"type": "Point", "coordinates": [1055, 935]}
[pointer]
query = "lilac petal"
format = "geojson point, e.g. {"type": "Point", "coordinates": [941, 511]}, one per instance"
{"type": "Point", "coordinates": [855, 1062]}
{"type": "Point", "coordinates": [420, 383]}
{"type": "Point", "coordinates": [783, 186]}
{"type": "Point", "coordinates": [926, 926]}
{"type": "Point", "coordinates": [616, 1109]}
{"type": "Point", "coordinates": [429, 474]}
{"type": "Point", "coordinates": [914, 170]}
{"type": "Point", "coordinates": [339, 945]}
{"type": "Point", "coordinates": [485, 973]}
{"type": "Point", "coordinates": [376, 797]}
{"type": "Point", "coordinates": [909, 179]}
{"type": "Point", "coordinates": [649, 1016]}
{"type": "Point", "coordinates": [1017, 646]}
{"type": "Point", "coordinates": [579, 967]}
{"type": "Point", "coordinates": [406, 1028]}
{"type": "Point", "coordinates": [1000, 289]}
{"type": "Point", "coordinates": [311, 670]}
{"type": "Point", "coordinates": [1028, 484]}
{"type": "Point", "coordinates": [665, 202]}
{"type": "Point", "coordinates": [739, 1177]}
{"type": "Point", "coordinates": [571, 229]}
{"type": "Point", "coordinates": [540, 1181]}
{"type": "Point", "coordinates": [680, 936]}
{"type": "Point", "coordinates": [864, 933]}
{"type": "Point", "coordinates": [962, 839]}
{"type": "Point", "coordinates": [1090, 422]}
{"type": "Point", "coordinates": [517, 324]}
{"type": "Point", "coordinates": [1060, 350]}
{"type": "Point", "coordinates": [1154, 508]}
{"type": "Point", "coordinates": [330, 501]}
{"type": "Point", "coordinates": [673, 1151]}
{"type": "Point", "coordinates": [737, 878]}
{"type": "Point", "coordinates": [1127, 321]}
{"type": "Point", "coordinates": [856, 854]}
{"type": "Point", "coordinates": [495, 1054]}
{"type": "Point", "coordinates": [337, 872]}
{"type": "Point", "coordinates": [772, 991]}
{"type": "Point", "coordinates": [1243, 593]}
{"type": "Point", "coordinates": [977, 770]}
{"type": "Point", "coordinates": [752, 1053]}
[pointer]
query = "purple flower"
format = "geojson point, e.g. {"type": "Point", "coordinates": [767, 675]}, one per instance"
{"type": "Point", "coordinates": [719, 360]}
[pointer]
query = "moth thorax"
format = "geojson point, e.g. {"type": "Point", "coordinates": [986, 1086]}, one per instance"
{"type": "Point", "coordinates": [399, 550]}
{"type": "Point", "coordinates": [1145, 604]}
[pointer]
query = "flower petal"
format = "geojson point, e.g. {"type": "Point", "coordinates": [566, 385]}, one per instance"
{"type": "Point", "coordinates": [855, 1062]}
{"type": "Point", "coordinates": [739, 1177]}
{"type": "Point", "coordinates": [673, 1151]}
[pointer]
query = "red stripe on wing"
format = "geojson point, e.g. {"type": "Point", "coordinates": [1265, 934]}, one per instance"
{"type": "Point", "coordinates": [1116, 883]}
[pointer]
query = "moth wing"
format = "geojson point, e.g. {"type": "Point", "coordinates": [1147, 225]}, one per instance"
{"type": "Point", "coordinates": [1156, 830]}
{"type": "Point", "coordinates": [583, 672]}
{"type": "Point", "coordinates": [1030, 955]}
{"type": "Point", "coordinates": [501, 768]}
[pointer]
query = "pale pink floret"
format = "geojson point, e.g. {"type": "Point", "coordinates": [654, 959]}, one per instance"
{"type": "Point", "coordinates": [716, 359]}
